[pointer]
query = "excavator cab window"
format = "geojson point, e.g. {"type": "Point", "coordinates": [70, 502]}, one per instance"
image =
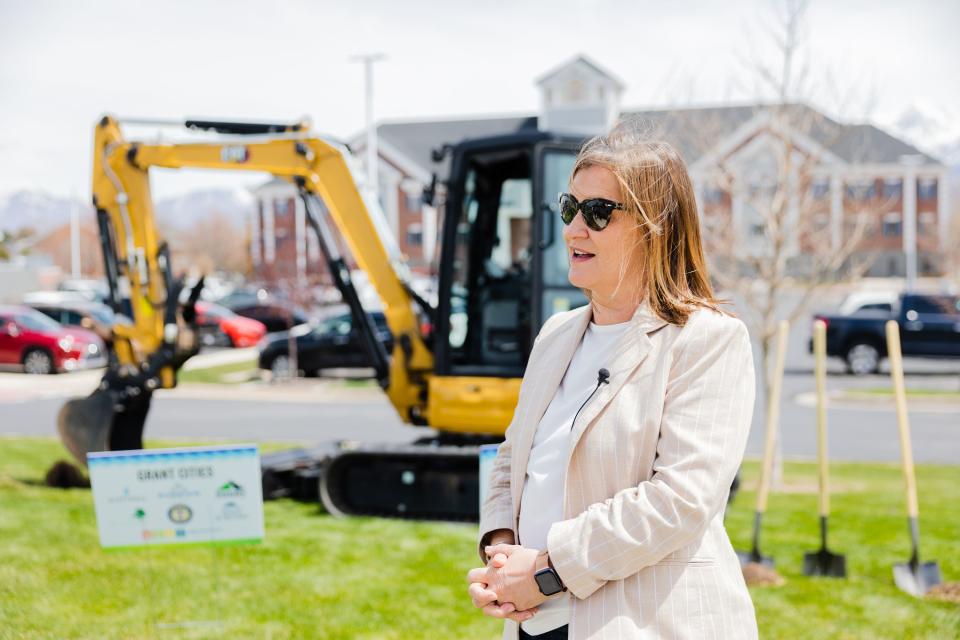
{"type": "Point", "coordinates": [504, 266]}
{"type": "Point", "coordinates": [489, 321]}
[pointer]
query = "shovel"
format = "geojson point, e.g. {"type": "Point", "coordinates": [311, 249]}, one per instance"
{"type": "Point", "coordinates": [914, 577]}
{"type": "Point", "coordinates": [822, 562]}
{"type": "Point", "coordinates": [773, 416]}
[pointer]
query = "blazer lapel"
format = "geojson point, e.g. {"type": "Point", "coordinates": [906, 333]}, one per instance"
{"type": "Point", "coordinates": [548, 372]}
{"type": "Point", "coordinates": [630, 352]}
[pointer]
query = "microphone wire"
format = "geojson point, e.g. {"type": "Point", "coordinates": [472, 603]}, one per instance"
{"type": "Point", "coordinates": [603, 377]}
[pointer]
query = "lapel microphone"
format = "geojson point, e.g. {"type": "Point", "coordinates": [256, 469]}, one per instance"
{"type": "Point", "coordinates": [603, 377]}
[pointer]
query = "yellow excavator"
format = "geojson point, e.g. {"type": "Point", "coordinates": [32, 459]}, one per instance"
{"type": "Point", "coordinates": [502, 273]}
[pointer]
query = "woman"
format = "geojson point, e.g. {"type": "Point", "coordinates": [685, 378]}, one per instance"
{"type": "Point", "coordinates": [605, 512]}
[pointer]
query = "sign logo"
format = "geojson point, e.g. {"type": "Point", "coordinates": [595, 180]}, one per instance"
{"type": "Point", "coordinates": [180, 513]}
{"type": "Point", "coordinates": [231, 511]}
{"type": "Point", "coordinates": [230, 489]}
{"type": "Point", "coordinates": [234, 153]}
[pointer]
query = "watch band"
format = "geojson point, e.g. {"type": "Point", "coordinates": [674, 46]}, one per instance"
{"type": "Point", "coordinates": [550, 576]}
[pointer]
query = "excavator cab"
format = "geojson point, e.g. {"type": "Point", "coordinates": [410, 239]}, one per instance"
{"type": "Point", "coordinates": [503, 272]}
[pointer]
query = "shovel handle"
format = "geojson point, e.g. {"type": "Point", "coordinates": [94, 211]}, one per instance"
{"type": "Point", "coordinates": [773, 414]}
{"type": "Point", "coordinates": [903, 423]}
{"type": "Point", "coordinates": [820, 372]}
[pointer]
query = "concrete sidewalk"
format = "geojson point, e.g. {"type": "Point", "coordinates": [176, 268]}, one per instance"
{"type": "Point", "coordinates": [21, 387]}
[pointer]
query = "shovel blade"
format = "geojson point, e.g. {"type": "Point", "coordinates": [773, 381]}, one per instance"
{"type": "Point", "coordinates": [916, 578]}
{"type": "Point", "coordinates": [824, 563]}
{"type": "Point", "coordinates": [754, 557]}
{"type": "Point", "coordinates": [84, 424]}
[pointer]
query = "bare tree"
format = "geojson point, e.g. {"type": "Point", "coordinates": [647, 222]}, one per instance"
{"type": "Point", "coordinates": [775, 236]}
{"type": "Point", "coordinates": [15, 243]}
{"type": "Point", "coordinates": [213, 242]}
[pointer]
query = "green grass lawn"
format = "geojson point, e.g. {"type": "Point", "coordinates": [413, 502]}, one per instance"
{"type": "Point", "coordinates": [240, 372]}
{"type": "Point", "coordinates": [319, 577]}
{"type": "Point", "coordinates": [220, 374]}
{"type": "Point", "coordinates": [887, 392]}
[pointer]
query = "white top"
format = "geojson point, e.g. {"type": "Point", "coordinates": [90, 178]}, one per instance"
{"type": "Point", "coordinates": [542, 502]}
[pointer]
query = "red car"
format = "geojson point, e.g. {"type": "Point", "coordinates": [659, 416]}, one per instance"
{"type": "Point", "coordinates": [221, 327]}
{"type": "Point", "coordinates": [41, 345]}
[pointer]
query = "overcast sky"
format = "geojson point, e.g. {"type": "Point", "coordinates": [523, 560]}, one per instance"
{"type": "Point", "coordinates": [63, 64]}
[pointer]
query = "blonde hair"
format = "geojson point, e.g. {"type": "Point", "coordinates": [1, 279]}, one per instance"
{"type": "Point", "coordinates": [658, 193]}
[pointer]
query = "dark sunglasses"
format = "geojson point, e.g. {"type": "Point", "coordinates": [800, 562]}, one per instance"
{"type": "Point", "coordinates": [596, 211]}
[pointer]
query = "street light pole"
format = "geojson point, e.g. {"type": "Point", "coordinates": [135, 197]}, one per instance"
{"type": "Point", "coordinates": [368, 59]}
{"type": "Point", "coordinates": [909, 219]}
{"type": "Point", "coordinates": [75, 268]}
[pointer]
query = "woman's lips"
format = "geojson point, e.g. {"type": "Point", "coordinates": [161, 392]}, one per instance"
{"type": "Point", "coordinates": [580, 257]}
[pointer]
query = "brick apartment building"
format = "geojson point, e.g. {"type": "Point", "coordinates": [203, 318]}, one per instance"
{"type": "Point", "coordinates": [282, 253]}
{"type": "Point", "coordinates": [859, 170]}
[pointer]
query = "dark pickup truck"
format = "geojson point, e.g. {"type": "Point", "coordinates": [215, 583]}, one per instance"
{"type": "Point", "coordinates": [929, 328]}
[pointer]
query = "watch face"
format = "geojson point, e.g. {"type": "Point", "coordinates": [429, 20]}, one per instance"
{"type": "Point", "coordinates": [548, 582]}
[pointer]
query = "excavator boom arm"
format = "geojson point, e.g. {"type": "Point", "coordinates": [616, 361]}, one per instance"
{"type": "Point", "coordinates": [321, 170]}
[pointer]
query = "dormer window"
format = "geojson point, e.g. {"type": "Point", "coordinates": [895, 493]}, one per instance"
{"type": "Point", "coordinates": [574, 91]}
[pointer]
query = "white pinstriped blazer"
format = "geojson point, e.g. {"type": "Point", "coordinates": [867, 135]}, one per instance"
{"type": "Point", "coordinates": [642, 548]}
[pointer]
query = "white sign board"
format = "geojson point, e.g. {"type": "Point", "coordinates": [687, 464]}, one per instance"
{"type": "Point", "coordinates": [488, 452]}
{"type": "Point", "coordinates": [176, 496]}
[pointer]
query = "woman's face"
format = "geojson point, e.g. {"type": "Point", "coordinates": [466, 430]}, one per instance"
{"type": "Point", "coordinates": [611, 254]}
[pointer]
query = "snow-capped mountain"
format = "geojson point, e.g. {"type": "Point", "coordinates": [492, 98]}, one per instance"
{"type": "Point", "coordinates": [235, 205]}
{"type": "Point", "coordinates": [44, 212]}
{"type": "Point", "coordinates": [935, 130]}
{"type": "Point", "coordinates": [38, 210]}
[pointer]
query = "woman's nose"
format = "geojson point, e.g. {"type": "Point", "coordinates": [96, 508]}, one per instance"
{"type": "Point", "coordinates": [577, 228]}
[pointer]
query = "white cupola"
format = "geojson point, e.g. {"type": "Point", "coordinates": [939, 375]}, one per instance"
{"type": "Point", "coordinates": [579, 97]}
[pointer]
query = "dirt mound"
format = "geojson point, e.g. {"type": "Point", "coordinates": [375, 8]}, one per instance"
{"type": "Point", "coordinates": [64, 475]}
{"type": "Point", "coordinates": [947, 592]}
{"type": "Point", "coordinates": [758, 575]}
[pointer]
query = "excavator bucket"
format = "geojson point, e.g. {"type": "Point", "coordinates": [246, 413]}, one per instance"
{"type": "Point", "coordinates": [84, 424]}
{"type": "Point", "coordinates": [112, 418]}
{"type": "Point", "coordinates": [106, 420]}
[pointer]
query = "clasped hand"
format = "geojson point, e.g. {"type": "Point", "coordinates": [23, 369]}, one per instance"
{"type": "Point", "coordinates": [506, 588]}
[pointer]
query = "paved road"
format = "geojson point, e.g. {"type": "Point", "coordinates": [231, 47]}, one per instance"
{"type": "Point", "coordinates": [856, 432]}
{"type": "Point", "coordinates": [251, 420]}
{"type": "Point", "coordinates": [326, 411]}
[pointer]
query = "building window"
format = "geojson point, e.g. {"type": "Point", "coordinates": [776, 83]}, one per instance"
{"type": "Point", "coordinates": [712, 194]}
{"type": "Point", "coordinates": [283, 207]}
{"type": "Point", "coordinates": [415, 235]}
{"type": "Point", "coordinates": [927, 223]}
{"type": "Point", "coordinates": [820, 188]}
{"type": "Point", "coordinates": [892, 225]}
{"type": "Point", "coordinates": [821, 222]}
{"type": "Point", "coordinates": [860, 190]}
{"type": "Point", "coordinates": [926, 188]}
{"type": "Point", "coordinates": [892, 188]}
{"type": "Point", "coordinates": [412, 201]}
{"type": "Point", "coordinates": [255, 244]}
{"type": "Point", "coordinates": [574, 92]}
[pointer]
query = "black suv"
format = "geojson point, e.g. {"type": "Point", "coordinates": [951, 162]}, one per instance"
{"type": "Point", "coordinates": [332, 344]}
{"type": "Point", "coordinates": [929, 328]}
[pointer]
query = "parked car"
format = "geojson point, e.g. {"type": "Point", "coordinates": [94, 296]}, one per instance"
{"type": "Point", "coordinates": [218, 326]}
{"type": "Point", "coordinates": [93, 316]}
{"type": "Point", "coordinates": [868, 301]}
{"type": "Point", "coordinates": [244, 297]}
{"type": "Point", "coordinates": [275, 317]}
{"type": "Point", "coordinates": [929, 328]}
{"type": "Point", "coordinates": [39, 344]}
{"type": "Point", "coordinates": [91, 289]}
{"type": "Point", "coordinates": [332, 344]}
